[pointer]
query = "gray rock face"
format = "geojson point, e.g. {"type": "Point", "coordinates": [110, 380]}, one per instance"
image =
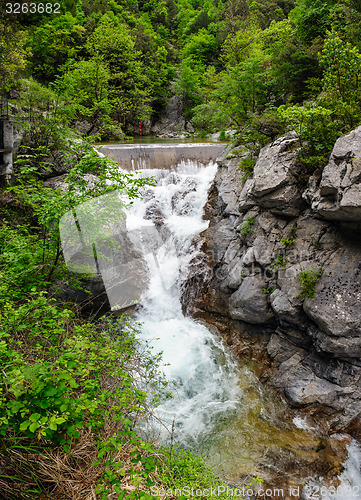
{"type": "Point", "coordinates": [303, 387]}
{"type": "Point", "coordinates": [338, 195]}
{"type": "Point", "coordinates": [336, 306]}
{"type": "Point", "coordinates": [249, 304]}
{"type": "Point", "coordinates": [273, 184]}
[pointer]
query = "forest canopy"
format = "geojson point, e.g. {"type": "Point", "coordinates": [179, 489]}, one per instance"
{"type": "Point", "coordinates": [229, 64]}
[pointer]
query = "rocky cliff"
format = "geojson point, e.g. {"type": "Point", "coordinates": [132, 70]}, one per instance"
{"type": "Point", "coordinates": [284, 267]}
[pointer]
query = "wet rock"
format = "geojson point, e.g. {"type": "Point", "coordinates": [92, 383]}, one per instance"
{"type": "Point", "coordinates": [302, 386]}
{"type": "Point", "coordinates": [154, 212]}
{"type": "Point", "coordinates": [280, 349]}
{"type": "Point", "coordinates": [342, 347]}
{"type": "Point", "coordinates": [315, 344]}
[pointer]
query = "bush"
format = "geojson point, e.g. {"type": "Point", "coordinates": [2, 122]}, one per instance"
{"type": "Point", "coordinates": [72, 392]}
{"type": "Point", "coordinates": [280, 262]}
{"type": "Point", "coordinates": [308, 280]}
{"type": "Point", "coordinates": [246, 167]}
{"type": "Point", "coordinates": [247, 226]}
{"type": "Point", "coordinates": [316, 130]}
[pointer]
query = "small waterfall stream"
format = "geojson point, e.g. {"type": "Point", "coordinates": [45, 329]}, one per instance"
{"type": "Point", "coordinates": [219, 408]}
{"type": "Point", "coordinates": [207, 383]}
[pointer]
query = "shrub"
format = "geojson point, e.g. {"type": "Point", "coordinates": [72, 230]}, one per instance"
{"type": "Point", "coordinates": [308, 280]}
{"type": "Point", "coordinates": [247, 226]}
{"type": "Point", "coordinates": [281, 261]}
{"type": "Point", "coordinates": [246, 167]}
{"type": "Point", "coordinates": [289, 240]}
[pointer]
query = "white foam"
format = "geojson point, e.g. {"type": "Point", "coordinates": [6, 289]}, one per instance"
{"type": "Point", "coordinates": [350, 480]}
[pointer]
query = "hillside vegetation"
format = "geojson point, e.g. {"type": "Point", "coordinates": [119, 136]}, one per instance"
{"type": "Point", "coordinates": [74, 388]}
{"type": "Point", "coordinates": [254, 66]}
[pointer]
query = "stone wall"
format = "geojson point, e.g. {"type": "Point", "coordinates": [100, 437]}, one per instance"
{"type": "Point", "coordinates": [136, 157]}
{"type": "Point", "coordinates": [262, 234]}
{"type": "Point", "coordinates": [6, 152]}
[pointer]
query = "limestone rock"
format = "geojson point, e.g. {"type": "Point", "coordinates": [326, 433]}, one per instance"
{"type": "Point", "coordinates": [222, 234]}
{"type": "Point", "coordinates": [273, 184]}
{"type": "Point", "coordinates": [338, 195]}
{"type": "Point", "coordinates": [249, 303]}
{"type": "Point", "coordinates": [301, 386]}
{"type": "Point", "coordinates": [336, 306]}
{"type": "Point", "coordinates": [284, 308]}
{"type": "Point", "coordinates": [235, 276]}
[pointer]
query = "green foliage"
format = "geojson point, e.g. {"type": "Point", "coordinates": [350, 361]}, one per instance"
{"type": "Point", "coordinates": [315, 129]}
{"type": "Point", "coordinates": [312, 18]}
{"type": "Point", "coordinates": [308, 280]}
{"type": "Point", "coordinates": [86, 88]}
{"type": "Point", "coordinates": [293, 62]}
{"type": "Point", "coordinates": [246, 167]}
{"type": "Point", "coordinates": [289, 240]}
{"type": "Point", "coordinates": [129, 87]}
{"type": "Point", "coordinates": [12, 55]}
{"type": "Point", "coordinates": [341, 81]}
{"type": "Point", "coordinates": [183, 470]}
{"type": "Point", "coordinates": [247, 226]}
{"type": "Point", "coordinates": [280, 262]}
{"type": "Point", "coordinates": [63, 376]}
{"type": "Point", "coordinates": [55, 43]}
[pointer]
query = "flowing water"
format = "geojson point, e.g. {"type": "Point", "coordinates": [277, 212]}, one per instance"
{"type": "Point", "coordinates": [218, 407]}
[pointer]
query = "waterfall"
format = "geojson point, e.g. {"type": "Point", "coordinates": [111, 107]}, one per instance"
{"type": "Point", "coordinates": [218, 407]}
{"type": "Point", "coordinates": [207, 384]}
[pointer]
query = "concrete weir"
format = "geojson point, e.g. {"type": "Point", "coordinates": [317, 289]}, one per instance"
{"type": "Point", "coordinates": [139, 156]}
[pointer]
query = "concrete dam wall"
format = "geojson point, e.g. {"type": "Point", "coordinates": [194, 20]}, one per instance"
{"type": "Point", "coordinates": [139, 156]}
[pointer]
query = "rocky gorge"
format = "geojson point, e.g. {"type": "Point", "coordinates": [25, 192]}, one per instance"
{"type": "Point", "coordinates": [280, 276]}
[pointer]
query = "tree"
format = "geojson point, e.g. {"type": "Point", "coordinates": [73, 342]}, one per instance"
{"type": "Point", "coordinates": [12, 55]}
{"type": "Point", "coordinates": [312, 18]}
{"type": "Point", "coordinates": [242, 88]}
{"type": "Point", "coordinates": [293, 62]}
{"type": "Point", "coordinates": [54, 44]}
{"type": "Point", "coordinates": [341, 82]}
{"type": "Point", "coordinates": [129, 86]}
{"type": "Point", "coordinates": [86, 88]}
{"type": "Point", "coordinates": [240, 45]}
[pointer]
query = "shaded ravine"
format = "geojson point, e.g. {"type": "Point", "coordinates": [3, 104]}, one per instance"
{"type": "Point", "coordinates": [219, 408]}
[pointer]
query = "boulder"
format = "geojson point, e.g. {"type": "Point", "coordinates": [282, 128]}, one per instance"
{"type": "Point", "coordinates": [285, 309]}
{"type": "Point", "coordinates": [229, 188]}
{"type": "Point", "coordinates": [222, 234]}
{"type": "Point", "coordinates": [274, 183]}
{"type": "Point", "coordinates": [302, 387]}
{"type": "Point", "coordinates": [249, 303]}
{"type": "Point", "coordinates": [338, 194]}
{"type": "Point", "coordinates": [235, 275]}
{"type": "Point", "coordinates": [336, 306]}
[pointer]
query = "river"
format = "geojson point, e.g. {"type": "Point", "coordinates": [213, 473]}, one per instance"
{"type": "Point", "coordinates": [219, 408]}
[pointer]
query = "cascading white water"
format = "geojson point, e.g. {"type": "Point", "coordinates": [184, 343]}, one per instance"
{"type": "Point", "coordinates": [219, 407]}
{"type": "Point", "coordinates": [207, 383]}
